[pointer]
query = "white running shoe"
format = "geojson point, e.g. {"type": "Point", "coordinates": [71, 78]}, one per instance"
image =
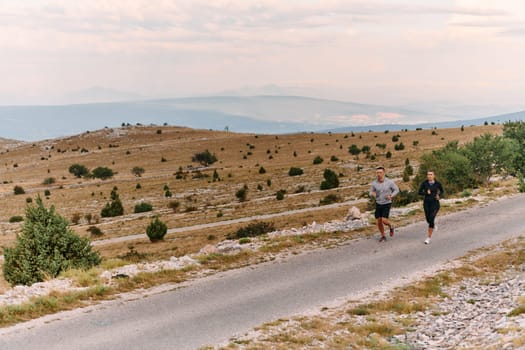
{"type": "Point", "coordinates": [427, 241]}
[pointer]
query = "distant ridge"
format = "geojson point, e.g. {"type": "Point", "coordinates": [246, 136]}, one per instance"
{"type": "Point", "coordinates": [499, 119]}
{"type": "Point", "coordinates": [251, 114]}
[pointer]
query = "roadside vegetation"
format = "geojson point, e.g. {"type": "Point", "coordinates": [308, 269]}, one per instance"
{"type": "Point", "coordinates": [226, 182]}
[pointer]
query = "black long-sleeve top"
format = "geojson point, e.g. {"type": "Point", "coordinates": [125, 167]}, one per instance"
{"type": "Point", "coordinates": [431, 190]}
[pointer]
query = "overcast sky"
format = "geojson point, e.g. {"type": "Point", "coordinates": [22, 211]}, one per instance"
{"type": "Point", "coordinates": [383, 52]}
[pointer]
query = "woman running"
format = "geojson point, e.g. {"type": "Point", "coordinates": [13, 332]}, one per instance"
{"type": "Point", "coordinates": [433, 191]}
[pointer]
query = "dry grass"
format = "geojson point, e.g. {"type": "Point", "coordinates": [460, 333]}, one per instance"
{"type": "Point", "coordinates": [240, 158]}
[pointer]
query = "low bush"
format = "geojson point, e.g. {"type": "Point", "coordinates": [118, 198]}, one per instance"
{"type": "Point", "coordinates": [252, 230]}
{"type": "Point", "coordinates": [174, 205]}
{"type": "Point", "coordinates": [102, 173]}
{"type": "Point", "coordinates": [16, 218]}
{"type": "Point", "coordinates": [205, 158]}
{"type": "Point", "coordinates": [295, 171]}
{"type": "Point", "coordinates": [329, 199]}
{"type": "Point", "coordinates": [18, 190]}
{"type": "Point", "coordinates": [95, 231]}
{"type": "Point", "coordinates": [405, 197]}
{"type": "Point", "coordinates": [143, 207]}
{"type": "Point", "coordinates": [242, 193]}
{"type": "Point", "coordinates": [49, 181]}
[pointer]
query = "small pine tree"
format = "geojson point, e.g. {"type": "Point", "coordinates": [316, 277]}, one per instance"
{"type": "Point", "coordinates": [331, 180]}
{"type": "Point", "coordinates": [46, 247]}
{"type": "Point", "coordinates": [156, 230]}
{"type": "Point", "coordinates": [242, 193]}
{"type": "Point", "coordinates": [114, 208]}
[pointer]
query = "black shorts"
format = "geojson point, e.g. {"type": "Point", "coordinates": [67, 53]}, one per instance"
{"type": "Point", "coordinates": [382, 210]}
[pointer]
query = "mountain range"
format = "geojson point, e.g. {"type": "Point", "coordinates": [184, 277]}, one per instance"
{"type": "Point", "coordinates": [255, 114]}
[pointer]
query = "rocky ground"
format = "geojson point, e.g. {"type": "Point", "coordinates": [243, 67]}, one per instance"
{"type": "Point", "coordinates": [474, 316]}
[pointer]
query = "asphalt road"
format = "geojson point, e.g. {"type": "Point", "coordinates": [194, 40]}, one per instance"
{"type": "Point", "coordinates": [212, 309]}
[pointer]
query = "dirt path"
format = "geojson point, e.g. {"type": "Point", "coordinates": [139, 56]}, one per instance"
{"type": "Point", "coordinates": [229, 222]}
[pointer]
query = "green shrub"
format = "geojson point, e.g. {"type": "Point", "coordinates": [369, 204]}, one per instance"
{"type": "Point", "coordinates": [156, 230]}
{"type": "Point", "coordinates": [262, 170]}
{"type": "Point", "coordinates": [47, 193]}
{"type": "Point", "coordinates": [95, 231]}
{"type": "Point", "coordinates": [18, 190]}
{"type": "Point", "coordinates": [295, 171]}
{"type": "Point", "coordinates": [205, 158]}
{"type": "Point", "coordinates": [521, 184]}
{"type": "Point", "coordinates": [242, 193]}
{"type": "Point", "coordinates": [466, 193]}
{"type": "Point", "coordinates": [16, 218]}
{"type": "Point", "coordinates": [216, 176]}
{"type": "Point", "coordinates": [252, 230]}
{"type": "Point", "coordinates": [137, 171]}
{"type": "Point", "coordinates": [49, 181]}
{"type": "Point", "coordinates": [280, 195]}
{"type": "Point", "coordinates": [143, 207]}
{"type": "Point", "coordinates": [399, 147]}
{"type": "Point", "coordinates": [45, 248]}
{"type": "Point", "coordinates": [405, 197]}
{"type": "Point", "coordinates": [331, 180]}
{"type": "Point", "coordinates": [114, 208]}
{"type": "Point", "coordinates": [78, 170]}
{"type": "Point", "coordinates": [334, 159]}
{"type": "Point", "coordinates": [317, 160]}
{"type": "Point", "coordinates": [354, 150]}
{"type": "Point", "coordinates": [452, 168]}
{"type": "Point", "coordinates": [174, 205]}
{"type": "Point", "coordinates": [329, 199]}
{"type": "Point", "coordinates": [75, 218]}
{"type": "Point", "coordinates": [102, 173]}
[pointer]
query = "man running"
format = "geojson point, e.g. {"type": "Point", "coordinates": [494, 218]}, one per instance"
{"type": "Point", "coordinates": [433, 191]}
{"type": "Point", "coordinates": [383, 190]}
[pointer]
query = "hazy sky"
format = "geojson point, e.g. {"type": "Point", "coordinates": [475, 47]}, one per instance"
{"type": "Point", "coordinates": [390, 51]}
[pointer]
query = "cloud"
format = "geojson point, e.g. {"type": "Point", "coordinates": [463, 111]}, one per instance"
{"type": "Point", "coordinates": [186, 25]}
{"type": "Point", "coordinates": [388, 117]}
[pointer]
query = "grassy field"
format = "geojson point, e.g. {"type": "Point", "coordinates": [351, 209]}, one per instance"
{"type": "Point", "coordinates": [164, 151]}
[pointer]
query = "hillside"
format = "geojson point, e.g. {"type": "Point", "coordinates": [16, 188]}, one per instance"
{"type": "Point", "coordinates": [165, 151]}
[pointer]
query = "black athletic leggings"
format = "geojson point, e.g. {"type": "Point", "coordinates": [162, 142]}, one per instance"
{"type": "Point", "coordinates": [431, 210]}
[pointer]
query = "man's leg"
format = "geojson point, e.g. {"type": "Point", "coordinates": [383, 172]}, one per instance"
{"type": "Point", "coordinates": [380, 226]}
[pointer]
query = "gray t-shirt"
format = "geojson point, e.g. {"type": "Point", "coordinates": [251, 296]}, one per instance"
{"type": "Point", "coordinates": [382, 189]}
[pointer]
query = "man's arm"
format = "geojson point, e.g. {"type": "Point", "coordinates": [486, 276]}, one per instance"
{"type": "Point", "coordinates": [394, 188]}
{"type": "Point", "coordinates": [372, 191]}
